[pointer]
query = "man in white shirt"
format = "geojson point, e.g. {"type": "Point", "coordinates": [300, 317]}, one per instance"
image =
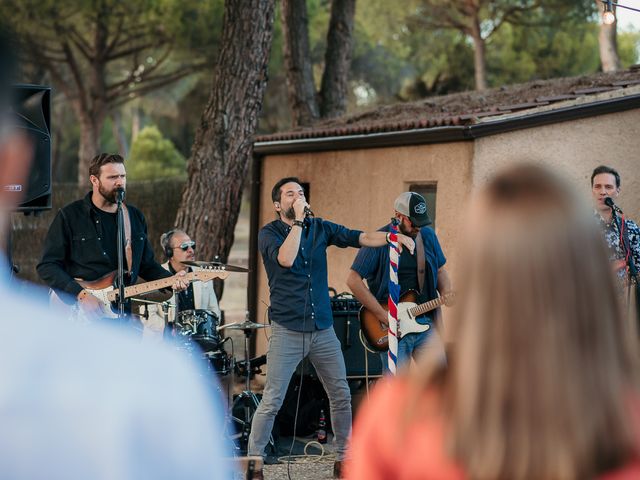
{"type": "Point", "coordinates": [178, 247]}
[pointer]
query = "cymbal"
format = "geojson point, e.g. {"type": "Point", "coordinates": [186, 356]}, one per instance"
{"type": "Point", "coordinates": [216, 265]}
{"type": "Point", "coordinates": [248, 325]}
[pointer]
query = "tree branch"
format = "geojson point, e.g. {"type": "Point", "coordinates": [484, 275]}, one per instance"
{"type": "Point", "coordinates": [80, 43]}
{"type": "Point", "coordinates": [75, 72]}
{"type": "Point", "coordinates": [130, 51]}
{"type": "Point", "coordinates": [114, 41]}
{"type": "Point", "coordinates": [113, 89]}
{"type": "Point", "coordinates": [153, 84]}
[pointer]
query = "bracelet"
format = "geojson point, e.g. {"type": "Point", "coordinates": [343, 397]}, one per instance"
{"type": "Point", "coordinates": [388, 237]}
{"type": "Point", "coordinates": [298, 223]}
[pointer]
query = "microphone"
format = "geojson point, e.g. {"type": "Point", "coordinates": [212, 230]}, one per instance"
{"type": "Point", "coordinates": [608, 201]}
{"type": "Point", "coordinates": [308, 212]}
{"type": "Point", "coordinates": [119, 194]}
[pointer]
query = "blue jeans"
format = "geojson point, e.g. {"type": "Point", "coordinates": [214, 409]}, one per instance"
{"type": "Point", "coordinates": [285, 352]}
{"type": "Point", "coordinates": [412, 344]}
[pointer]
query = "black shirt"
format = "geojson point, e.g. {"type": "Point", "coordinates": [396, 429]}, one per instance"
{"type": "Point", "coordinates": [408, 277]}
{"type": "Point", "coordinates": [110, 231]}
{"type": "Point", "coordinates": [74, 248]}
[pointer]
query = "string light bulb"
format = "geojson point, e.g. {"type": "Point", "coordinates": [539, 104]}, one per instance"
{"type": "Point", "coordinates": [608, 17]}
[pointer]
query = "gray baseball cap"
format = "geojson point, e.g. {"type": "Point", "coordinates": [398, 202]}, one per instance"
{"type": "Point", "coordinates": [414, 206]}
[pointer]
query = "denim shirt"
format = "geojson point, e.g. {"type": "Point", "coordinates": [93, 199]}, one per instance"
{"type": "Point", "coordinates": [372, 264]}
{"type": "Point", "coordinates": [300, 294]}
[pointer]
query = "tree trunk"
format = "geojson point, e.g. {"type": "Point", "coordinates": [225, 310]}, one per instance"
{"type": "Point", "coordinates": [223, 146]}
{"type": "Point", "coordinates": [90, 128]}
{"type": "Point", "coordinates": [119, 134]}
{"type": "Point", "coordinates": [335, 79]}
{"type": "Point", "coordinates": [480, 70]}
{"type": "Point", "coordinates": [136, 122]}
{"type": "Point", "coordinates": [608, 42]}
{"type": "Point", "coordinates": [301, 90]}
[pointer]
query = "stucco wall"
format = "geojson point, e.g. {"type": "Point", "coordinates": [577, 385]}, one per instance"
{"type": "Point", "coordinates": [574, 149]}
{"type": "Point", "coordinates": [357, 188]}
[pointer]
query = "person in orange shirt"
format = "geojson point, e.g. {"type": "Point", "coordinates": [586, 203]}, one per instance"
{"type": "Point", "coordinates": [541, 381]}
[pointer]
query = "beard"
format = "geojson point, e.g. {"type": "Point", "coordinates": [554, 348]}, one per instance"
{"type": "Point", "coordinates": [289, 213]}
{"type": "Point", "coordinates": [407, 231]}
{"type": "Point", "coordinates": [109, 196]}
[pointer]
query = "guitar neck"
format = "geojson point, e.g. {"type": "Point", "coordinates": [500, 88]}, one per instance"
{"type": "Point", "coordinates": [428, 306]}
{"type": "Point", "coordinates": [146, 287]}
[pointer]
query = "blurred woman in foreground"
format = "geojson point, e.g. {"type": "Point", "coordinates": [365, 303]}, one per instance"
{"type": "Point", "coordinates": [541, 383]}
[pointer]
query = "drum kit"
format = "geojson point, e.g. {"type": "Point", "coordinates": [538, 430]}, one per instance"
{"type": "Point", "coordinates": [198, 333]}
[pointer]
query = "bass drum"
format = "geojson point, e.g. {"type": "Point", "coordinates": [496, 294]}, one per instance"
{"type": "Point", "coordinates": [219, 362]}
{"type": "Point", "coordinates": [197, 328]}
{"type": "Point", "coordinates": [197, 322]}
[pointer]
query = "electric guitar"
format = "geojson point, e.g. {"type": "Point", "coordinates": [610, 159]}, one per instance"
{"type": "Point", "coordinates": [410, 316]}
{"type": "Point", "coordinates": [106, 293]}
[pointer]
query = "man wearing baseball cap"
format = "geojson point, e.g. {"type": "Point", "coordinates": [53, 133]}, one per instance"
{"type": "Point", "coordinates": [422, 273]}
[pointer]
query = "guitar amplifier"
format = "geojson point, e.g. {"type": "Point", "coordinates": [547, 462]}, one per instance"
{"type": "Point", "coordinates": [345, 310]}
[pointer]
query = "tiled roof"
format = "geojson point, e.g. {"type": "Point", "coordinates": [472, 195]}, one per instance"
{"type": "Point", "coordinates": [464, 108]}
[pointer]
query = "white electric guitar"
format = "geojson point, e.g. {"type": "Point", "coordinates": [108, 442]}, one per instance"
{"type": "Point", "coordinates": [105, 292]}
{"type": "Point", "coordinates": [410, 315]}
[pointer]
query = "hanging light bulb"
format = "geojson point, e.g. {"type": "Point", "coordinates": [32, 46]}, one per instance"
{"type": "Point", "coordinates": [608, 17]}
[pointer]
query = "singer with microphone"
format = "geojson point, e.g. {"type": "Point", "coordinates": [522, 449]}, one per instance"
{"type": "Point", "coordinates": [82, 240]}
{"type": "Point", "coordinates": [293, 249]}
{"type": "Point", "coordinates": [621, 234]}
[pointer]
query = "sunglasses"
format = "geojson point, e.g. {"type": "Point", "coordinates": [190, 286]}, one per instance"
{"type": "Point", "coordinates": [186, 245]}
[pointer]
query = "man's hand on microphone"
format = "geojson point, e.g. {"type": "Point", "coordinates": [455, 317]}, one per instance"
{"type": "Point", "coordinates": [298, 207]}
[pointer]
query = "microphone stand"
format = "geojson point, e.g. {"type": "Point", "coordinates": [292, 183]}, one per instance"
{"type": "Point", "coordinates": [120, 240]}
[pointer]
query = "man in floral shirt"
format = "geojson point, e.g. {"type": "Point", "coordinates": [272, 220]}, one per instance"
{"type": "Point", "coordinates": [622, 235]}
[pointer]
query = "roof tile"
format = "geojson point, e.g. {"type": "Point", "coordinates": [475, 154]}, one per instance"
{"type": "Point", "coordinates": [463, 108]}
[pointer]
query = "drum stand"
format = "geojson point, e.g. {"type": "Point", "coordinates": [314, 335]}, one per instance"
{"type": "Point", "coordinates": [248, 400]}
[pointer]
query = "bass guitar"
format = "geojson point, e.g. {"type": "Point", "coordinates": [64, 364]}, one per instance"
{"type": "Point", "coordinates": [411, 317]}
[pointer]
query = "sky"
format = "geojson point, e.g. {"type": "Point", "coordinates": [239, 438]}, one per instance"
{"type": "Point", "coordinates": [628, 19]}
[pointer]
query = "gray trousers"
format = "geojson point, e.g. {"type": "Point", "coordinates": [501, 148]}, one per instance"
{"type": "Point", "coordinates": [285, 352]}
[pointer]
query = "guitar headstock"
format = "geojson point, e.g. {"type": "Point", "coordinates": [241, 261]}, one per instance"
{"type": "Point", "coordinates": [209, 273]}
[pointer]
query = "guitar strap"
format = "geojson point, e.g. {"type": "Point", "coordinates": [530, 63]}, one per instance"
{"type": "Point", "coordinates": [420, 258]}
{"type": "Point", "coordinates": [128, 252]}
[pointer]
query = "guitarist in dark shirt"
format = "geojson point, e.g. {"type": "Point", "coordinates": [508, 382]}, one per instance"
{"type": "Point", "coordinates": [81, 242]}
{"type": "Point", "coordinates": [421, 274]}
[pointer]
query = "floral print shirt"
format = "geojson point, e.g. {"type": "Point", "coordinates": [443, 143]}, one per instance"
{"type": "Point", "coordinates": [616, 247]}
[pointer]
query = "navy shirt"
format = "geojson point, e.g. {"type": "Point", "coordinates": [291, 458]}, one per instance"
{"type": "Point", "coordinates": [372, 264]}
{"type": "Point", "coordinates": [300, 294]}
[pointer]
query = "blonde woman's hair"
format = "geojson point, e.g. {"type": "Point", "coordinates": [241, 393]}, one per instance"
{"type": "Point", "coordinates": [542, 372]}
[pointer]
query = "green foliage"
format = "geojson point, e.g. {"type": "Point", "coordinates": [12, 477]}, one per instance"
{"type": "Point", "coordinates": [519, 54]}
{"type": "Point", "coordinates": [402, 53]}
{"type": "Point", "coordinates": [153, 156]}
{"type": "Point", "coordinates": [629, 47]}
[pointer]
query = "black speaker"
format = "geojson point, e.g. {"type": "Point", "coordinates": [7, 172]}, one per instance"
{"type": "Point", "coordinates": [32, 113]}
{"type": "Point", "coordinates": [347, 327]}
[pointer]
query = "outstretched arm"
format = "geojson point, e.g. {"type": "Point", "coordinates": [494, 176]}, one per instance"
{"type": "Point", "coordinates": [378, 239]}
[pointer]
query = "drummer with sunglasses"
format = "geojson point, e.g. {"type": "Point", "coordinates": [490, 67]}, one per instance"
{"type": "Point", "coordinates": [178, 247]}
